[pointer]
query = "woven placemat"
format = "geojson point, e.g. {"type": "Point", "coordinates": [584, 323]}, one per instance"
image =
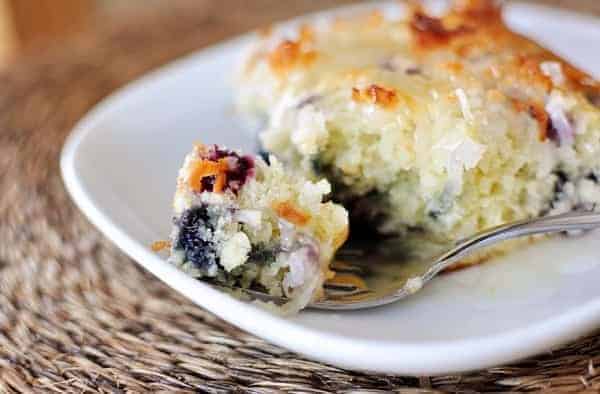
{"type": "Point", "coordinates": [78, 316]}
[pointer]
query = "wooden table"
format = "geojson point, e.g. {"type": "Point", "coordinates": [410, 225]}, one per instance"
{"type": "Point", "coordinates": [76, 315]}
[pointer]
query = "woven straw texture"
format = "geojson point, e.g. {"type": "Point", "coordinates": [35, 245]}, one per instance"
{"type": "Point", "coordinates": [78, 316]}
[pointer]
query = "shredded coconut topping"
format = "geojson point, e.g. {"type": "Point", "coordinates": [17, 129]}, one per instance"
{"type": "Point", "coordinates": [464, 104]}
{"type": "Point", "coordinates": [556, 108]}
{"type": "Point", "coordinates": [553, 70]}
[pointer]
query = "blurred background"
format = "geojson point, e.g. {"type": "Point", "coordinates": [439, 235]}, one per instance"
{"type": "Point", "coordinates": [27, 26]}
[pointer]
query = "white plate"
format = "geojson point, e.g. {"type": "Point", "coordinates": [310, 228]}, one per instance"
{"type": "Point", "coordinates": [120, 165]}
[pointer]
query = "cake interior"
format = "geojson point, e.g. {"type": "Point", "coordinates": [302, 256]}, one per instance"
{"type": "Point", "coordinates": [242, 222]}
{"type": "Point", "coordinates": [433, 127]}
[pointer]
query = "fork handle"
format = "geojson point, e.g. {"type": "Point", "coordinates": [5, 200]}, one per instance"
{"type": "Point", "coordinates": [570, 221]}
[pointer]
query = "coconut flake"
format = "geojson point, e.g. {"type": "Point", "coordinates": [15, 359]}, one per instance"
{"type": "Point", "coordinates": [461, 154]}
{"type": "Point", "coordinates": [464, 104]}
{"type": "Point", "coordinates": [251, 217]}
{"type": "Point", "coordinates": [555, 107]}
{"type": "Point", "coordinates": [235, 251]}
{"type": "Point", "coordinates": [310, 131]}
{"type": "Point", "coordinates": [553, 70]}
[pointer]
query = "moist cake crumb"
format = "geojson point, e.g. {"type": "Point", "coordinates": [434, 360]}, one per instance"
{"type": "Point", "coordinates": [431, 126]}
{"type": "Point", "coordinates": [244, 223]}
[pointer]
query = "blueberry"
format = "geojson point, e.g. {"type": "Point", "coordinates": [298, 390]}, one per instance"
{"type": "Point", "coordinates": [195, 230]}
{"type": "Point", "coordinates": [434, 214]}
{"type": "Point", "coordinates": [261, 254]}
{"type": "Point", "coordinates": [592, 177]}
{"type": "Point", "coordinates": [240, 170]}
{"type": "Point", "coordinates": [319, 167]}
{"type": "Point", "coordinates": [561, 179]}
{"type": "Point", "coordinates": [264, 155]}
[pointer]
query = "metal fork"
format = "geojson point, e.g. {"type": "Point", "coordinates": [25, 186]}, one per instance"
{"type": "Point", "coordinates": [386, 273]}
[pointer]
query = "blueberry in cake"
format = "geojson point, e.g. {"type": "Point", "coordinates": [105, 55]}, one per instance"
{"type": "Point", "coordinates": [242, 222]}
{"type": "Point", "coordinates": [429, 126]}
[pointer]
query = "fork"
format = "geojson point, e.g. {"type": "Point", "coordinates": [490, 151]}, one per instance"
{"type": "Point", "coordinates": [386, 274]}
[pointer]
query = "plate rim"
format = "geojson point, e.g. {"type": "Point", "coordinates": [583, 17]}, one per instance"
{"type": "Point", "coordinates": [388, 356]}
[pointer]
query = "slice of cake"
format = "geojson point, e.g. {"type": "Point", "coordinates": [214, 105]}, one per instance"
{"type": "Point", "coordinates": [244, 223]}
{"type": "Point", "coordinates": [428, 126]}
